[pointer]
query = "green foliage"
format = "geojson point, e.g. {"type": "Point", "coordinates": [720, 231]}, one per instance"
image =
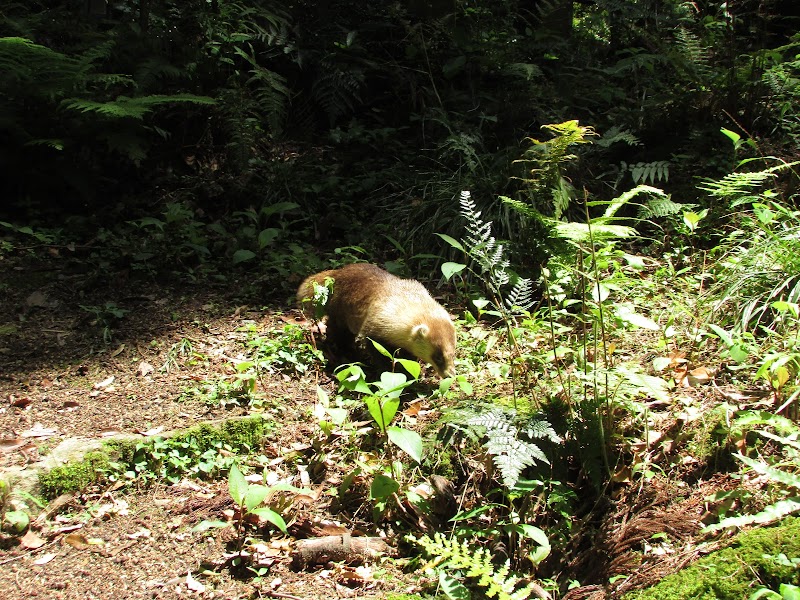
{"type": "Point", "coordinates": [249, 498]}
{"type": "Point", "coordinates": [720, 574]}
{"type": "Point", "coordinates": [476, 566]}
{"type": "Point", "coordinates": [509, 438]}
{"type": "Point", "coordinates": [202, 452]}
{"type": "Point", "coordinates": [73, 477]}
{"type": "Point", "coordinates": [284, 350]}
{"type": "Point", "coordinates": [781, 474]}
{"type": "Point", "coordinates": [16, 508]}
{"type": "Point", "coordinates": [548, 189]}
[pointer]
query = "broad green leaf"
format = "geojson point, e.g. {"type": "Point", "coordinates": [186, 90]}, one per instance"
{"type": "Point", "coordinates": [382, 487]}
{"type": "Point", "coordinates": [722, 334]}
{"type": "Point", "coordinates": [661, 362]}
{"type": "Point", "coordinates": [453, 242]}
{"type": "Point", "coordinates": [16, 520]}
{"type": "Point", "coordinates": [206, 525]}
{"type": "Point", "coordinates": [738, 353]}
{"type": "Point", "coordinates": [255, 496]}
{"type": "Point", "coordinates": [382, 410]}
{"type": "Point", "coordinates": [629, 315]}
{"type": "Point", "coordinates": [267, 236]}
{"type": "Point", "coordinates": [600, 292]}
{"type": "Point", "coordinates": [270, 515]}
{"type": "Point", "coordinates": [381, 349]}
{"type": "Point", "coordinates": [789, 591]}
{"type": "Point", "coordinates": [278, 207]}
{"type": "Point", "coordinates": [408, 441]}
{"type": "Point", "coordinates": [243, 255]}
{"type": "Point", "coordinates": [412, 366]}
{"type": "Point", "coordinates": [731, 135]}
{"type": "Point", "coordinates": [337, 415]}
{"type": "Point", "coordinates": [237, 485]}
{"type": "Point", "coordinates": [452, 587]}
{"type": "Point", "coordinates": [450, 268]}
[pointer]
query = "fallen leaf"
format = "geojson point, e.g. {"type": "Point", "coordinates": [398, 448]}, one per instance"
{"type": "Point", "coordinates": [31, 541]}
{"type": "Point", "coordinates": [145, 369]}
{"type": "Point", "coordinates": [22, 402]}
{"type": "Point", "coordinates": [142, 533]}
{"type": "Point", "coordinates": [194, 585]}
{"type": "Point", "coordinates": [153, 431]}
{"type": "Point", "coordinates": [70, 405]}
{"type": "Point", "coordinates": [412, 410]}
{"type": "Point", "coordinates": [105, 383]}
{"type": "Point", "coordinates": [118, 351]}
{"type": "Point", "coordinates": [9, 444]}
{"type": "Point", "coordinates": [39, 431]}
{"type": "Point", "coordinates": [77, 541]}
{"type": "Point", "coordinates": [44, 559]}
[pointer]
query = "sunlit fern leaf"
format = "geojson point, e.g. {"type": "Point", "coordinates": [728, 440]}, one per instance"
{"type": "Point", "coordinates": [661, 206]}
{"type": "Point", "coordinates": [476, 564]}
{"type": "Point", "coordinates": [521, 295]}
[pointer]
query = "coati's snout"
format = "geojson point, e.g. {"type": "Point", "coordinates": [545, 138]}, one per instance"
{"type": "Point", "coordinates": [368, 302]}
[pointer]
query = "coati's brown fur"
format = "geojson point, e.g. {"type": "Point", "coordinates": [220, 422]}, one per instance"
{"type": "Point", "coordinates": [368, 302]}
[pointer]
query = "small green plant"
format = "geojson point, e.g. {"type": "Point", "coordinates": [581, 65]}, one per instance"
{"type": "Point", "coordinates": [509, 439]}
{"type": "Point", "coordinates": [106, 317]}
{"type": "Point", "coordinates": [284, 350]}
{"type": "Point", "coordinates": [250, 498]}
{"type": "Point", "coordinates": [173, 459]}
{"type": "Point", "coordinates": [15, 508]}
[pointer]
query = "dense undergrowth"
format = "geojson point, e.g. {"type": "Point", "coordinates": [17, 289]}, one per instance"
{"type": "Point", "coordinates": [606, 202]}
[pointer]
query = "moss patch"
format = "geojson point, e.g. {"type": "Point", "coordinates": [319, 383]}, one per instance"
{"type": "Point", "coordinates": [73, 477]}
{"type": "Point", "coordinates": [737, 571]}
{"type": "Point", "coordinates": [239, 435]}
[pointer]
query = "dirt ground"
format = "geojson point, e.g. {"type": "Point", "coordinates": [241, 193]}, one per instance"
{"type": "Point", "coordinates": [59, 379]}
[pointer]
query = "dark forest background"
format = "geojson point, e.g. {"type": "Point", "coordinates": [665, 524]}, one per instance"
{"type": "Point", "coordinates": [199, 134]}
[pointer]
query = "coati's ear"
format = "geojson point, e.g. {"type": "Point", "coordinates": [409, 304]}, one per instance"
{"type": "Point", "coordinates": [420, 331]}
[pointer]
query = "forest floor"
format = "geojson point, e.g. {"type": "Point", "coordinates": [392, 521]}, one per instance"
{"type": "Point", "coordinates": [60, 380]}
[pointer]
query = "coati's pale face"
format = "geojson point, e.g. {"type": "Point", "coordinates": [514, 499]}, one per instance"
{"type": "Point", "coordinates": [435, 343]}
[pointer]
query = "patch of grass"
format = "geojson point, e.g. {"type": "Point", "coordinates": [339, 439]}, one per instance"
{"type": "Point", "coordinates": [735, 572]}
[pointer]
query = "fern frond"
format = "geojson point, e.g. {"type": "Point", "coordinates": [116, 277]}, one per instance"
{"type": "Point", "coordinates": [483, 248]}
{"type": "Point", "coordinates": [476, 564]}
{"type": "Point", "coordinates": [614, 135]}
{"type": "Point", "coordinates": [521, 295]}
{"type": "Point", "coordinates": [337, 91]}
{"type": "Point", "coordinates": [135, 108]}
{"type": "Point", "coordinates": [511, 453]}
{"type": "Point", "coordinates": [653, 172]}
{"type": "Point", "coordinates": [526, 71]}
{"type": "Point", "coordinates": [661, 206]}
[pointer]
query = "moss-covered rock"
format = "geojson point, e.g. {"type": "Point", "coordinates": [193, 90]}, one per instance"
{"type": "Point", "coordinates": [735, 572]}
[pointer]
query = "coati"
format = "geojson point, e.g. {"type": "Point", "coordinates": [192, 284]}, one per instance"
{"type": "Point", "coordinates": [368, 302]}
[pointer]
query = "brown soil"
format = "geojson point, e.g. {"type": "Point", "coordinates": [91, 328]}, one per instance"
{"type": "Point", "coordinates": [125, 542]}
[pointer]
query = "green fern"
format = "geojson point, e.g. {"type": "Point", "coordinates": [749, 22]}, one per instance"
{"type": "Point", "coordinates": [653, 172]}
{"type": "Point", "coordinates": [603, 228]}
{"type": "Point", "coordinates": [547, 159]}
{"type": "Point", "coordinates": [476, 565]}
{"type": "Point", "coordinates": [337, 91]}
{"type": "Point", "coordinates": [135, 108]}
{"type": "Point", "coordinates": [657, 207]}
{"type": "Point", "coordinates": [508, 440]}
